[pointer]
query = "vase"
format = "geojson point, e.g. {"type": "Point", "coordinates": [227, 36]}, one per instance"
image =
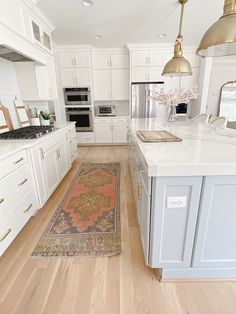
{"type": "Point", "coordinates": [172, 114]}
{"type": "Point", "coordinates": [45, 122]}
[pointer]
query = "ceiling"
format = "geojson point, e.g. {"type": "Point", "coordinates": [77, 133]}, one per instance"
{"type": "Point", "coordinates": [128, 21]}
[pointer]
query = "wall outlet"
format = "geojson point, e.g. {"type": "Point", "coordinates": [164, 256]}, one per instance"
{"type": "Point", "coordinates": [177, 202]}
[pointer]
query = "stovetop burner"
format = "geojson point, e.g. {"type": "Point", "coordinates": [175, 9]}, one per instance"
{"type": "Point", "coordinates": [28, 132]}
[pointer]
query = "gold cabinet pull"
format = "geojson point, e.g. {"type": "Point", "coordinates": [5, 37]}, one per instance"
{"type": "Point", "coordinates": [2, 200]}
{"type": "Point", "coordinates": [17, 161]}
{"type": "Point", "coordinates": [5, 235]}
{"type": "Point", "coordinates": [26, 210]}
{"type": "Point", "coordinates": [23, 182]}
{"type": "Point", "coordinates": [41, 153]}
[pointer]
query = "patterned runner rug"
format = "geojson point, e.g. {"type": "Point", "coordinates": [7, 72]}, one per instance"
{"type": "Point", "coordinates": [87, 221]}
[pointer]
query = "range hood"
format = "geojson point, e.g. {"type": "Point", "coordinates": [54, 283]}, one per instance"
{"type": "Point", "coordinates": [12, 55]}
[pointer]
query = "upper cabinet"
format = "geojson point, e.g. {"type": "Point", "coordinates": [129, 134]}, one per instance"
{"type": "Point", "coordinates": [147, 65]}
{"type": "Point", "coordinates": [110, 76]}
{"type": "Point", "coordinates": [74, 59]}
{"type": "Point", "coordinates": [25, 19]}
{"type": "Point", "coordinates": [75, 68]}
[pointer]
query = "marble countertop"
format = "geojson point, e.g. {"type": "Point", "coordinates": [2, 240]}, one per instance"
{"type": "Point", "coordinates": [9, 147]}
{"type": "Point", "coordinates": [203, 151]}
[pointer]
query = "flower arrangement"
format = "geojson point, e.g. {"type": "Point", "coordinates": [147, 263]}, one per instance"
{"type": "Point", "coordinates": [174, 97]}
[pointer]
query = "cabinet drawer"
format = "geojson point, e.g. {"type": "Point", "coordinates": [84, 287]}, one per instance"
{"type": "Point", "coordinates": [72, 134]}
{"type": "Point", "coordinates": [46, 145]}
{"type": "Point", "coordinates": [15, 220]}
{"type": "Point", "coordinates": [120, 121]}
{"type": "Point", "coordinates": [102, 120]}
{"type": "Point", "coordinates": [12, 162]}
{"type": "Point", "coordinates": [14, 187]}
{"type": "Point", "coordinates": [85, 137]}
{"type": "Point", "coordinates": [143, 171]}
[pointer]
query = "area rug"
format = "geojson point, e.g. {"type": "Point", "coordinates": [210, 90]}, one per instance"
{"type": "Point", "coordinates": [87, 221]}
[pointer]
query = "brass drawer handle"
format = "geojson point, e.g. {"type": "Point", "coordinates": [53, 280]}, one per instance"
{"type": "Point", "coordinates": [23, 182]}
{"type": "Point", "coordinates": [1, 200]}
{"type": "Point", "coordinates": [17, 161]}
{"type": "Point", "coordinates": [26, 211]}
{"type": "Point", "coordinates": [5, 235]}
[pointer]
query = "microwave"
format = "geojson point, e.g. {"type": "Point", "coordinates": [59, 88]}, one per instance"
{"type": "Point", "coordinates": [105, 110]}
{"type": "Point", "coordinates": [77, 96]}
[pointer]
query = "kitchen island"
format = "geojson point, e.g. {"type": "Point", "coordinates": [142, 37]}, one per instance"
{"type": "Point", "coordinates": [185, 194]}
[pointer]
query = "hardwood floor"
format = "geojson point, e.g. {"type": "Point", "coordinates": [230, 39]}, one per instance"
{"type": "Point", "coordinates": [113, 285]}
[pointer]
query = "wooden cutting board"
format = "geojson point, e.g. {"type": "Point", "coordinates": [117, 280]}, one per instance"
{"type": "Point", "coordinates": [7, 123]}
{"type": "Point", "coordinates": [157, 136]}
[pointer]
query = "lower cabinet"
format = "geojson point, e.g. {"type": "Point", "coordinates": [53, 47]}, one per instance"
{"type": "Point", "coordinates": [51, 161]}
{"type": "Point", "coordinates": [216, 232]}
{"type": "Point", "coordinates": [110, 130]}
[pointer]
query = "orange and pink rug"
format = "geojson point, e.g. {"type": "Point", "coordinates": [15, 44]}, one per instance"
{"type": "Point", "coordinates": [87, 221]}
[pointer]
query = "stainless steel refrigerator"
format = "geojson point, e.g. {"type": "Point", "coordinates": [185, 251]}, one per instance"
{"type": "Point", "coordinates": [141, 105]}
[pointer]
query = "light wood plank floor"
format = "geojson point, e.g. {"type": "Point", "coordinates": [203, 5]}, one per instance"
{"type": "Point", "coordinates": [119, 284]}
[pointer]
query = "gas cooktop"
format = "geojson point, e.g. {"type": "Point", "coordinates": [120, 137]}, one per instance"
{"type": "Point", "coordinates": [28, 132]}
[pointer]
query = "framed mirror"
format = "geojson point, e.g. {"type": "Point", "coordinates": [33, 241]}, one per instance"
{"type": "Point", "coordinates": [227, 103]}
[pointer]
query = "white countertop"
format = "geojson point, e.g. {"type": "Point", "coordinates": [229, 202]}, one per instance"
{"type": "Point", "coordinates": [9, 147]}
{"type": "Point", "coordinates": [203, 151]}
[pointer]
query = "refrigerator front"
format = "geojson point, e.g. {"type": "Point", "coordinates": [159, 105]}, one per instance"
{"type": "Point", "coordinates": [142, 106]}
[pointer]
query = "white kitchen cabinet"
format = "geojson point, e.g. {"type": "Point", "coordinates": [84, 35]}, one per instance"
{"type": "Point", "coordinates": [75, 77]}
{"type": "Point", "coordinates": [51, 173]}
{"type": "Point", "coordinates": [110, 77]}
{"type": "Point", "coordinates": [40, 36]}
{"type": "Point", "coordinates": [119, 61]}
{"type": "Point", "coordinates": [51, 160]}
{"type": "Point", "coordinates": [74, 59]}
{"type": "Point", "coordinates": [216, 232]}
{"type": "Point", "coordinates": [156, 58]}
{"type": "Point", "coordinates": [103, 133]}
{"type": "Point", "coordinates": [110, 130]}
{"type": "Point", "coordinates": [119, 133]}
{"type": "Point", "coordinates": [101, 61]}
{"type": "Point", "coordinates": [85, 138]}
{"type": "Point", "coordinates": [107, 61]}
{"type": "Point", "coordinates": [140, 58]}
{"type": "Point", "coordinates": [140, 74]}
{"type": "Point", "coordinates": [119, 84]}
{"type": "Point", "coordinates": [102, 85]}
{"type": "Point", "coordinates": [37, 82]}
{"type": "Point", "coordinates": [154, 74]}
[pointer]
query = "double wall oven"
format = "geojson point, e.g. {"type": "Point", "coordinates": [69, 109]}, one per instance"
{"type": "Point", "coordinates": [78, 108]}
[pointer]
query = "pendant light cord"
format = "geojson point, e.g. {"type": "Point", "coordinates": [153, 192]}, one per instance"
{"type": "Point", "coordinates": [181, 20]}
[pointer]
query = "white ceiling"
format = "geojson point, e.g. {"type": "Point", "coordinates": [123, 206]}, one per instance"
{"type": "Point", "coordinates": [128, 21]}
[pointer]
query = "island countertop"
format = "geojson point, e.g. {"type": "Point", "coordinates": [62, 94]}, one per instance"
{"type": "Point", "coordinates": [204, 151]}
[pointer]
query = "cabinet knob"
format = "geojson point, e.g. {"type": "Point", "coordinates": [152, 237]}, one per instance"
{"type": "Point", "coordinates": [1, 200]}
{"type": "Point", "coordinates": [23, 182]}
{"type": "Point", "coordinates": [26, 210]}
{"type": "Point", "coordinates": [140, 187]}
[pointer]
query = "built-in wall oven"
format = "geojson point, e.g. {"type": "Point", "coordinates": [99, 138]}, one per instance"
{"type": "Point", "coordinates": [77, 96]}
{"type": "Point", "coordinates": [83, 117]}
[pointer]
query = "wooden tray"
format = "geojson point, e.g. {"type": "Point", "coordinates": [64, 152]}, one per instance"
{"type": "Point", "coordinates": [157, 136]}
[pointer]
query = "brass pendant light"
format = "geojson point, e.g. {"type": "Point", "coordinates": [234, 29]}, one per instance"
{"type": "Point", "coordinates": [178, 65]}
{"type": "Point", "coordinates": [220, 39]}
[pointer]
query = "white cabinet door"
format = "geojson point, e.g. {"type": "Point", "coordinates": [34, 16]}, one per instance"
{"type": "Point", "coordinates": [216, 232]}
{"type": "Point", "coordinates": [51, 169]}
{"type": "Point", "coordinates": [52, 82]}
{"type": "Point", "coordinates": [139, 58]}
{"type": "Point", "coordinates": [101, 61]}
{"type": "Point", "coordinates": [66, 59]}
{"type": "Point", "coordinates": [120, 133]}
{"type": "Point", "coordinates": [156, 58]}
{"type": "Point", "coordinates": [42, 82]}
{"type": "Point", "coordinates": [119, 61]}
{"type": "Point", "coordinates": [101, 84]}
{"type": "Point", "coordinates": [103, 133]}
{"type": "Point", "coordinates": [62, 159]}
{"type": "Point", "coordinates": [82, 60]}
{"type": "Point", "coordinates": [120, 84]}
{"type": "Point", "coordinates": [83, 76]}
{"type": "Point", "coordinates": [155, 74]}
{"type": "Point", "coordinates": [68, 77]}
{"type": "Point", "coordinates": [139, 74]}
